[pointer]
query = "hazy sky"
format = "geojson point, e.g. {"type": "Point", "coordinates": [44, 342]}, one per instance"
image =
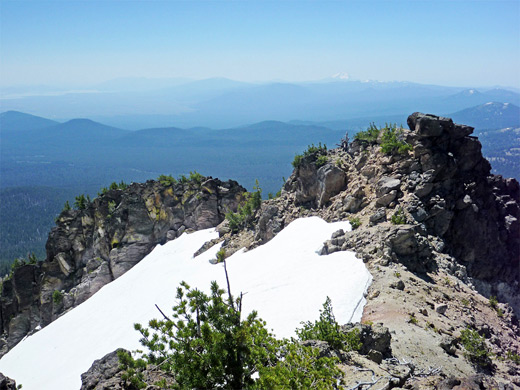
{"type": "Point", "coordinates": [462, 43]}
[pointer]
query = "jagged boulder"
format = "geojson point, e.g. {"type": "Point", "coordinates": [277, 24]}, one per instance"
{"type": "Point", "coordinates": [405, 244]}
{"type": "Point", "coordinates": [269, 223]}
{"type": "Point", "coordinates": [105, 373]}
{"type": "Point", "coordinates": [315, 186]}
{"type": "Point", "coordinates": [375, 339]}
{"type": "Point", "coordinates": [445, 189]}
{"type": "Point", "coordinates": [7, 383]}
{"type": "Point", "coordinates": [427, 125]}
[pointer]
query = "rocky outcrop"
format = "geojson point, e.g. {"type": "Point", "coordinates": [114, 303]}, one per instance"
{"type": "Point", "coordinates": [435, 204]}
{"type": "Point", "coordinates": [91, 247]}
{"type": "Point", "coordinates": [105, 373]}
{"type": "Point", "coordinates": [314, 186]}
{"type": "Point", "coordinates": [406, 244]}
{"type": "Point", "coordinates": [454, 213]}
{"type": "Point", "coordinates": [440, 236]}
{"type": "Point", "coordinates": [7, 383]}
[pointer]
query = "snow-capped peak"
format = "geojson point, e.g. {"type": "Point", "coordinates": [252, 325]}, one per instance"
{"type": "Point", "coordinates": [341, 76]}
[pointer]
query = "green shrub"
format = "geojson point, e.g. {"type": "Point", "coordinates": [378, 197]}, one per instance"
{"type": "Point", "coordinates": [221, 255]}
{"type": "Point", "coordinates": [196, 177]}
{"type": "Point", "coordinates": [17, 263]}
{"type": "Point", "coordinates": [300, 369]}
{"type": "Point", "coordinates": [133, 370]}
{"type": "Point", "coordinates": [111, 208]}
{"type": "Point", "coordinates": [370, 135]}
{"type": "Point", "coordinates": [321, 161]}
{"type": "Point", "coordinates": [399, 218]}
{"type": "Point", "coordinates": [113, 186]}
{"type": "Point", "coordinates": [355, 222]}
{"type": "Point", "coordinates": [319, 150]}
{"type": "Point", "coordinates": [493, 303]}
{"type": "Point", "coordinates": [270, 195]}
{"type": "Point", "coordinates": [390, 142]}
{"type": "Point", "coordinates": [297, 161]}
{"type": "Point", "coordinates": [327, 329]}
{"type": "Point", "coordinates": [118, 186]}
{"type": "Point", "coordinates": [167, 180]}
{"type": "Point", "coordinates": [245, 212]}
{"type": "Point", "coordinates": [193, 178]}
{"type": "Point", "coordinates": [183, 179]}
{"type": "Point", "coordinates": [513, 356]}
{"type": "Point", "coordinates": [57, 297]}
{"type": "Point", "coordinates": [475, 345]}
{"type": "Point", "coordinates": [316, 154]}
{"type": "Point", "coordinates": [31, 258]}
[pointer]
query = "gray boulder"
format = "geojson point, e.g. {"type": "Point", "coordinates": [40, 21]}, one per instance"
{"type": "Point", "coordinates": [427, 125]}
{"type": "Point", "coordinates": [332, 180]}
{"type": "Point", "coordinates": [7, 383]}
{"type": "Point", "coordinates": [104, 374]}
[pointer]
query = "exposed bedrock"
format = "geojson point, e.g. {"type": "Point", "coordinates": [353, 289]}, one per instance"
{"type": "Point", "coordinates": [91, 247]}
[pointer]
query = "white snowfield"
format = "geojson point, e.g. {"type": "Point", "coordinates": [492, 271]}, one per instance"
{"type": "Point", "coordinates": [285, 280]}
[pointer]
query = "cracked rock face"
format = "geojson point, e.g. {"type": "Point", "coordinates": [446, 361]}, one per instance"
{"type": "Point", "coordinates": [315, 186]}
{"type": "Point", "coordinates": [89, 248]}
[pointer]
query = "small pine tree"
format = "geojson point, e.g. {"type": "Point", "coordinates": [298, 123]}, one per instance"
{"type": "Point", "coordinates": [81, 202]}
{"type": "Point", "coordinates": [327, 329]}
{"type": "Point", "coordinates": [245, 212]}
{"type": "Point", "coordinates": [66, 206]}
{"type": "Point", "coordinates": [206, 344]}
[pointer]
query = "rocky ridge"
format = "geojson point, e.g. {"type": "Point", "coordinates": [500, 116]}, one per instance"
{"type": "Point", "coordinates": [91, 247]}
{"type": "Point", "coordinates": [452, 213]}
{"type": "Point", "coordinates": [438, 232]}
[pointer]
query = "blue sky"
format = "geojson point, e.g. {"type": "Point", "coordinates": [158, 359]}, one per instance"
{"type": "Point", "coordinates": [461, 43]}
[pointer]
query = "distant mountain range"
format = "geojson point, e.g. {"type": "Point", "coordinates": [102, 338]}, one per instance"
{"type": "Point", "coordinates": [221, 103]}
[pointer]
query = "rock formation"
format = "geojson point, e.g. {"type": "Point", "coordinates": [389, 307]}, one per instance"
{"type": "Point", "coordinates": [440, 236]}
{"type": "Point", "coordinates": [91, 247]}
{"type": "Point", "coordinates": [7, 383]}
{"type": "Point", "coordinates": [455, 214]}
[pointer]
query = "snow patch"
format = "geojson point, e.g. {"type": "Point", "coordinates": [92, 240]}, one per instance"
{"type": "Point", "coordinates": [341, 76]}
{"type": "Point", "coordinates": [285, 280]}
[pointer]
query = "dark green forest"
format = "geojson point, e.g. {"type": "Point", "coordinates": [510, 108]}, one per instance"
{"type": "Point", "coordinates": [26, 217]}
